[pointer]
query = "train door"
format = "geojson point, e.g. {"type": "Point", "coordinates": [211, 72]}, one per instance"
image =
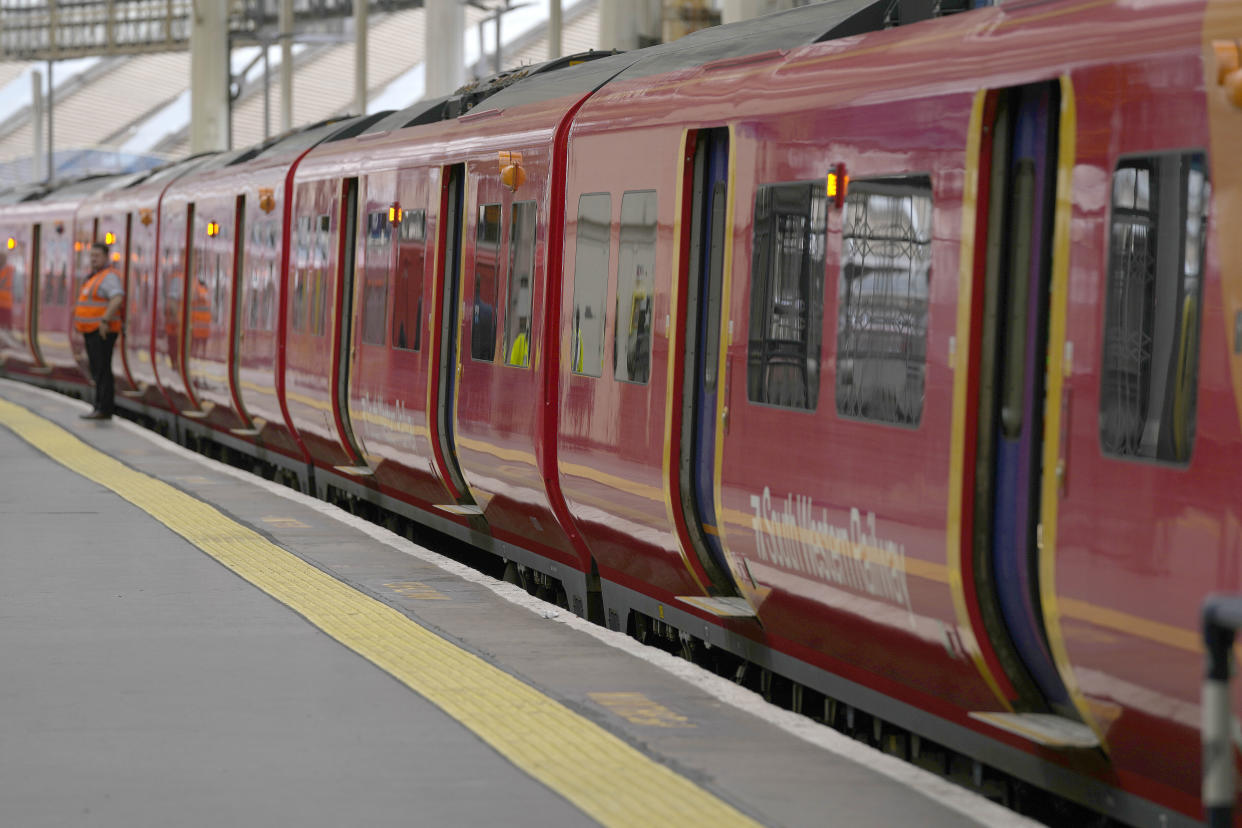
{"type": "Point", "coordinates": [707, 242]}
{"type": "Point", "coordinates": [85, 234]}
{"type": "Point", "coordinates": [31, 299]}
{"type": "Point", "coordinates": [15, 258]}
{"type": "Point", "coordinates": [235, 314]}
{"type": "Point", "coordinates": [123, 262]}
{"type": "Point", "coordinates": [348, 257]}
{"type": "Point", "coordinates": [452, 226]}
{"type": "Point", "coordinates": [56, 292]}
{"type": "Point", "coordinates": [1012, 345]}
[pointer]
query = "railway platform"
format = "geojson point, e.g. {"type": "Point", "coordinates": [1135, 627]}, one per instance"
{"type": "Point", "coordinates": [186, 644]}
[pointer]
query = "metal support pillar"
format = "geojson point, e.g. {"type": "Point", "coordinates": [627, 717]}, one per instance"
{"type": "Point", "coordinates": [36, 121]}
{"type": "Point", "coordinates": [445, 49]}
{"type": "Point", "coordinates": [360, 56]}
{"type": "Point", "coordinates": [618, 24]}
{"type": "Point", "coordinates": [267, 92]}
{"type": "Point", "coordinates": [629, 24]}
{"type": "Point", "coordinates": [51, 144]}
{"type": "Point", "coordinates": [286, 65]}
{"type": "Point", "coordinates": [733, 11]}
{"type": "Point", "coordinates": [556, 25]}
{"type": "Point", "coordinates": [209, 77]}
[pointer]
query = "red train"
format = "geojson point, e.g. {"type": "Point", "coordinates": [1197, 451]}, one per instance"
{"type": "Point", "coordinates": [903, 363]}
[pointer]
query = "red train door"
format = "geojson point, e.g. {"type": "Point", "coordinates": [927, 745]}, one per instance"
{"type": "Point", "coordinates": [1011, 345]}
{"type": "Point", "coordinates": [706, 242]}
{"type": "Point", "coordinates": [444, 375]}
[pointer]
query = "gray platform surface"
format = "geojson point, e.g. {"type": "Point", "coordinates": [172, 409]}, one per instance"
{"type": "Point", "coordinates": [145, 684]}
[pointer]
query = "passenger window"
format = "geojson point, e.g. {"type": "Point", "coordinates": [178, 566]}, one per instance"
{"type": "Point", "coordinates": [631, 355]}
{"type": "Point", "coordinates": [301, 272]}
{"type": "Point", "coordinates": [377, 254]}
{"type": "Point", "coordinates": [521, 270]}
{"type": "Point", "coordinates": [262, 259]}
{"type": "Point", "coordinates": [1153, 306]}
{"type": "Point", "coordinates": [590, 283]}
{"type": "Point", "coordinates": [407, 312]}
{"type": "Point", "coordinates": [319, 284]}
{"type": "Point", "coordinates": [486, 265]}
{"type": "Point", "coordinates": [787, 294]}
{"type": "Point", "coordinates": [886, 234]}
{"type": "Point", "coordinates": [12, 283]}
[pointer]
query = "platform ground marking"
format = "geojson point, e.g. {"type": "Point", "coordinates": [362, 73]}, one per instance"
{"type": "Point", "coordinates": [605, 777]}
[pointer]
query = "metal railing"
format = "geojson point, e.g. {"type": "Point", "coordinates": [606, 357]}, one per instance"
{"type": "Point", "coordinates": [60, 29]}
{"type": "Point", "coordinates": [1222, 618]}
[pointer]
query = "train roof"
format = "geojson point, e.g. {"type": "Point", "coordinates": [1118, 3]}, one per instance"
{"type": "Point", "coordinates": [333, 129]}
{"type": "Point", "coordinates": [83, 186]}
{"type": "Point", "coordinates": [585, 72]}
{"type": "Point", "coordinates": [576, 79]}
{"type": "Point", "coordinates": [778, 32]}
{"type": "Point", "coordinates": [26, 192]}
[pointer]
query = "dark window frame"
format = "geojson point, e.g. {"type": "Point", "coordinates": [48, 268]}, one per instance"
{"type": "Point", "coordinates": [412, 235]}
{"type": "Point", "coordinates": [908, 327]}
{"type": "Point", "coordinates": [576, 348]}
{"type": "Point", "coordinates": [1139, 447]}
{"type": "Point", "coordinates": [773, 313]}
{"type": "Point", "coordinates": [637, 351]}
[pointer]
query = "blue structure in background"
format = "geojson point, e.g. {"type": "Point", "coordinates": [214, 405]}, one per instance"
{"type": "Point", "coordinates": [70, 164]}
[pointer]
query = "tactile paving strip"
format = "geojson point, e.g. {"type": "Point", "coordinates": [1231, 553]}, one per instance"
{"type": "Point", "coordinates": [606, 778]}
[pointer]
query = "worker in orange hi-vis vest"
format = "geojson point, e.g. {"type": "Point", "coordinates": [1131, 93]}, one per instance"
{"type": "Point", "coordinates": [6, 291]}
{"type": "Point", "coordinates": [97, 317]}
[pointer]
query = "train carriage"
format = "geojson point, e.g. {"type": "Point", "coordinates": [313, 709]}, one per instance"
{"type": "Point", "coordinates": [901, 365]}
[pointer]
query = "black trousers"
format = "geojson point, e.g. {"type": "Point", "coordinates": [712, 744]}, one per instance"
{"type": "Point", "coordinates": [99, 352]}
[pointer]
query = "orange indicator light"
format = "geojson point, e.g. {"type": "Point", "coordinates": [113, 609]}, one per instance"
{"type": "Point", "coordinates": [838, 184]}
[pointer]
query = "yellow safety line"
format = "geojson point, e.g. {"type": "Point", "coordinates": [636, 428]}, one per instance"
{"type": "Point", "coordinates": [603, 776]}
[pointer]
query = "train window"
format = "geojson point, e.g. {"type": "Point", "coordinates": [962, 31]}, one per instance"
{"type": "Point", "coordinates": [787, 294]}
{"type": "Point", "coordinates": [1153, 306]}
{"type": "Point", "coordinates": [319, 271]}
{"type": "Point", "coordinates": [407, 312]}
{"type": "Point", "coordinates": [631, 354]}
{"type": "Point", "coordinates": [377, 253]}
{"type": "Point", "coordinates": [413, 226]}
{"type": "Point", "coordinates": [262, 255]}
{"type": "Point", "coordinates": [12, 286]}
{"type": "Point", "coordinates": [486, 265]}
{"type": "Point", "coordinates": [301, 272]}
{"type": "Point", "coordinates": [521, 282]}
{"type": "Point", "coordinates": [54, 289]}
{"type": "Point", "coordinates": [886, 235]}
{"type": "Point", "coordinates": [590, 283]}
